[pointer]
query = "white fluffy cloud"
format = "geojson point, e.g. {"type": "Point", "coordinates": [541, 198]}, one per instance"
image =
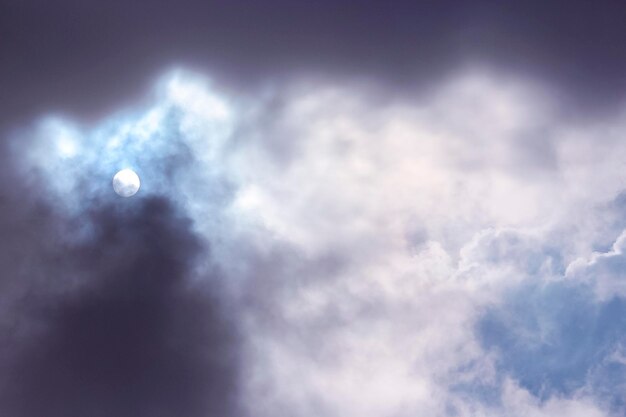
{"type": "Point", "coordinates": [438, 207]}
{"type": "Point", "coordinates": [605, 271]}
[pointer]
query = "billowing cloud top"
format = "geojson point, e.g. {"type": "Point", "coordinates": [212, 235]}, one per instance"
{"type": "Point", "coordinates": [318, 249]}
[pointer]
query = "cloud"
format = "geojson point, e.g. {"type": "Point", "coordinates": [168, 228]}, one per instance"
{"type": "Point", "coordinates": [444, 215]}
{"type": "Point", "coordinates": [332, 249]}
{"type": "Point", "coordinates": [603, 271]}
{"type": "Point", "coordinates": [104, 55]}
{"type": "Point", "coordinates": [124, 339]}
{"type": "Point", "coordinates": [102, 296]}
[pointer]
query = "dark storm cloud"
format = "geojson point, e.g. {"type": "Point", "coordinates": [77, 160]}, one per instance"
{"type": "Point", "coordinates": [110, 323]}
{"type": "Point", "coordinates": [86, 56]}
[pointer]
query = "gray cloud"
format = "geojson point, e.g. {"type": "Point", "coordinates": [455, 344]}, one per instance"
{"type": "Point", "coordinates": [113, 326]}
{"type": "Point", "coordinates": [84, 57]}
{"type": "Point", "coordinates": [103, 309]}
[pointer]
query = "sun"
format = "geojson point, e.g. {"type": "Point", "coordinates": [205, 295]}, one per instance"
{"type": "Point", "coordinates": [126, 183]}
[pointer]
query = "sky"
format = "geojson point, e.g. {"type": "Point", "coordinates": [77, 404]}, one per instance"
{"type": "Point", "coordinates": [347, 208]}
